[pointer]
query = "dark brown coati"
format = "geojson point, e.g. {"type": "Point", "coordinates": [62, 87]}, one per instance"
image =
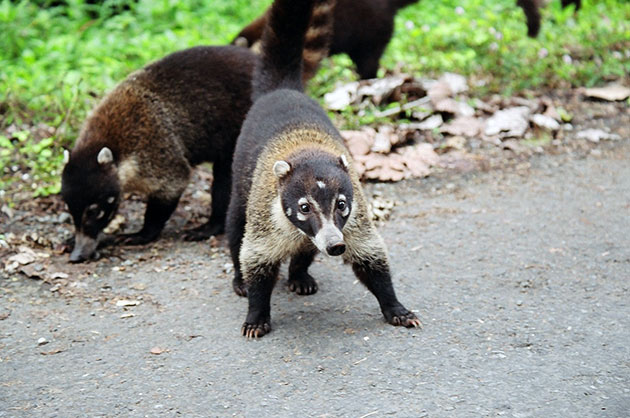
{"type": "Point", "coordinates": [294, 189]}
{"type": "Point", "coordinates": [363, 28]}
{"type": "Point", "coordinates": [153, 128]}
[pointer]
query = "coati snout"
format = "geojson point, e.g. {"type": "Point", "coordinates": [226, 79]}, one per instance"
{"type": "Point", "coordinates": [93, 207]}
{"type": "Point", "coordinates": [316, 196]}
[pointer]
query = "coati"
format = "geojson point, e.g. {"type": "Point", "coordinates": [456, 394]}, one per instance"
{"type": "Point", "coordinates": [149, 132]}
{"type": "Point", "coordinates": [363, 28]}
{"type": "Point", "coordinates": [294, 190]}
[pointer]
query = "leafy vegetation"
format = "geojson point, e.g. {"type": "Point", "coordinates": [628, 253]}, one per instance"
{"type": "Point", "coordinates": [58, 61]}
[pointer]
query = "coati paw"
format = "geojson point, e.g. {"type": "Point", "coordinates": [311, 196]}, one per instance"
{"type": "Point", "coordinates": [305, 285]}
{"type": "Point", "coordinates": [204, 232]}
{"type": "Point", "coordinates": [133, 239]}
{"type": "Point", "coordinates": [256, 330]}
{"type": "Point", "coordinates": [239, 287]}
{"type": "Point", "coordinates": [402, 317]}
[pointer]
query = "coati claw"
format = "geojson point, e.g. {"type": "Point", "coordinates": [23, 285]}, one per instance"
{"type": "Point", "coordinates": [255, 330]}
{"type": "Point", "coordinates": [305, 286]}
{"type": "Point", "coordinates": [405, 319]}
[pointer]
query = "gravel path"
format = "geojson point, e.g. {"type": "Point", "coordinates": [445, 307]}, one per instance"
{"type": "Point", "coordinates": [520, 279]}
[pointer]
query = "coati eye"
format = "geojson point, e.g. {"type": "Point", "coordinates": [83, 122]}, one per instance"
{"type": "Point", "coordinates": [341, 205]}
{"type": "Point", "coordinates": [305, 208]}
{"type": "Point", "coordinates": [91, 210]}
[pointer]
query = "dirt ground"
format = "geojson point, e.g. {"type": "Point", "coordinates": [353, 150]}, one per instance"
{"type": "Point", "coordinates": [519, 275]}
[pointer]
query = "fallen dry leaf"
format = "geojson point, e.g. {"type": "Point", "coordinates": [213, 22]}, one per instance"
{"type": "Point", "coordinates": [52, 352]}
{"type": "Point", "coordinates": [512, 122]}
{"type": "Point", "coordinates": [545, 122]}
{"type": "Point", "coordinates": [611, 93]}
{"type": "Point", "coordinates": [430, 123]}
{"type": "Point", "coordinates": [127, 302]}
{"type": "Point", "coordinates": [384, 139]}
{"type": "Point", "coordinates": [342, 96]}
{"type": "Point", "coordinates": [157, 351]}
{"type": "Point", "coordinates": [454, 107]}
{"type": "Point", "coordinates": [596, 135]}
{"type": "Point", "coordinates": [463, 126]}
{"type": "Point", "coordinates": [359, 142]}
{"type": "Point", "coordinates": [379, 89]}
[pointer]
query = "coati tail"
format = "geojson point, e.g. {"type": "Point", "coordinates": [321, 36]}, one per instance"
{"type": "Point", "coordinates": [296, 38]}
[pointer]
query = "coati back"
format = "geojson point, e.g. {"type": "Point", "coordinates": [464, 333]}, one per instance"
{"type": "Point", "coordinates": [294, 190]}
{"type": "Point", "coordinates": [149, 132]}
{"type": "Point", "coordinates": [363, 28]}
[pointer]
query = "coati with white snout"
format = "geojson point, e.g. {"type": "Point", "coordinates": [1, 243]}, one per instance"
{"type": "Point", "coordinates": [294, 189]}
{"type": "Point", "coordinates": [149, 132]}
{"type": "Point", "coordinates": [363, 28]}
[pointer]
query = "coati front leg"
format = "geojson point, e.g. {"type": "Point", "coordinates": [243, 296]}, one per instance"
{"type": "Point", "coordinates": [260, 279]}
{"type": "Point", "coordinates": [300, 281]}
{"type": "Point", "coordinates": [375, 275]}
{"type": "Point", "coordinates": [221, 185]}
{"type": "Point", "coordinates": [158, 211]}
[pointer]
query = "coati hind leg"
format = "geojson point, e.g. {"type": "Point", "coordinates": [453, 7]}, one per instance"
{"type": "Point", "coordinates": [235, 225]}
{"type": "Point", "coordinates": [221, 186]}
{"type": "Point", "coordinates": [261, 279]}
{"type": "Point", "coordinates": [157, 213]}
{"type": "Point", "coordinates": [300, 281]}
{"type": "Point", "coordinates": [367, 62]}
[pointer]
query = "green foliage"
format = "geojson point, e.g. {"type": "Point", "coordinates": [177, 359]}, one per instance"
{"type": "Point", "coordinates": [39, 161]}
{"type": "Point", "coordinates": [58, 61]}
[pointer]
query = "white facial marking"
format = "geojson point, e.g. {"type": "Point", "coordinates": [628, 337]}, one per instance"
{"type": "Point", "coordinates": [289, 212]}
{"type": "Point", "coordinates": [100, 214]}
{"type": "Point", "coordinates": [111, 199]}
{"type": "Point", "coordinates": [321, 184]}
{"type": "Point", "coordinates": [327, 236]}
{"type": "Point", "coordinates": [105, 156]}
{"type": "Point", "coordinates": [301, 217]}
{"type": "Point", "coordinates": [302, 201]}
{"type": "Point", "coordinates": [314, 204]}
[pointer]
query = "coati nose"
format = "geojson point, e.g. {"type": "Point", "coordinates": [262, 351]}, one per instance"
{"type": "Point", "coordinates": [336, 249]}
{"type": "Point", "coordinates": [76, 257]}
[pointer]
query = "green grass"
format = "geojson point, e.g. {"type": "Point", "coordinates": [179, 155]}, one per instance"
{"type": "Point", "coordinates": [57, 62]}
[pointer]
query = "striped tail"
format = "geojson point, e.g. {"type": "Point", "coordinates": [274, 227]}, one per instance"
{"type": "Point", "coordinates": [295, 40]}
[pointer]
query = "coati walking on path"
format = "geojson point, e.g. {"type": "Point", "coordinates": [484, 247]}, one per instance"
{"type": "Point", "coordinates": [149, 132]}
{"type": "Point", "coordinates": [363, 28]}
{"type": "Point", "coordinates": [294, 190]}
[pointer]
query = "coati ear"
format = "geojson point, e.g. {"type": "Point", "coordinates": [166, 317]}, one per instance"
{"type": "Point", "coordinates": [66, 156]}
{"type": "Point", "coordinates": [241, 41]}
{"type": "Point", "coordinates": [105, 156]}
{"type": "Point", "coordinates": [281, 168]}
{"type": "Point", "coordinates": [344, 161]}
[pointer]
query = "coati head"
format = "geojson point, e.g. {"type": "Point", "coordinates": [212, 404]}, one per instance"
{"type": "Point", "coordinates": [91, 190]}
{"type": "Point", "coordinates": [316, 196]}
